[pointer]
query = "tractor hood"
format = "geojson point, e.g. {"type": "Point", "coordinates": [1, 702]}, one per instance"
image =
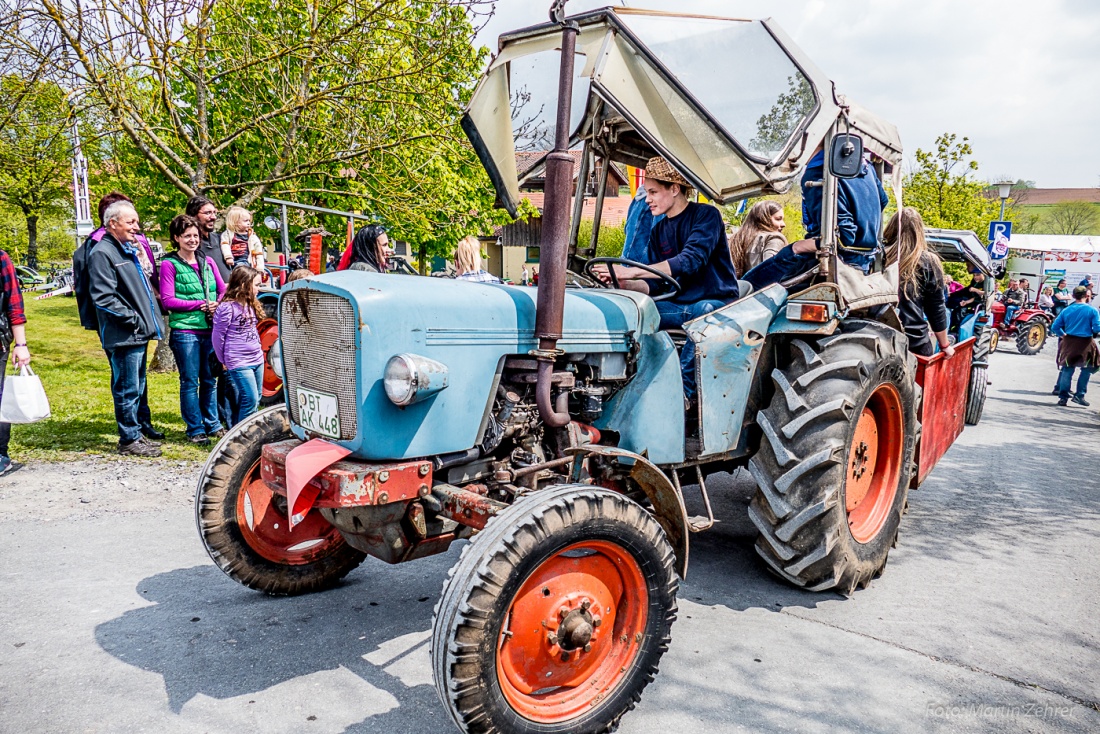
{"type": "Point", "coordinates": [734, 104]}
{"type": "Point", "coordinates": [339, 330]}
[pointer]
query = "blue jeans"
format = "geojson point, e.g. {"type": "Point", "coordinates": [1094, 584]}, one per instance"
{"type": "Point", "coordinates": [198, 386]}
{"type": "Point", "coordinates": [674, 316]}
{"type": "Point", "coordinates": [1065, 379]}
{"type": "Point", "coordinates": [1010, 313]}
{"type": "Point", "coordinates": [247, 384]}
{"type": "Point", "coordinates": [127, 387]}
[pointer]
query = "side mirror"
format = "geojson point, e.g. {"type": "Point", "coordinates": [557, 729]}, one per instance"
{"type": "Point", "coordinates": [272, 223]}
{"type": "Point", "coordinates": [846, 156]}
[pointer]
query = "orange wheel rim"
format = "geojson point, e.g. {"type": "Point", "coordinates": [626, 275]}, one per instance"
{"type": "Point", "coordinates": [261, 516]}
{"type": "Point", "coordinates": [874, 463]}
{"type": "Point", "coordinates": [1034, 335]}
{"type": "Point", "coordinates": [269, 334]}
{"type": "Point", "coordinates": [572, 631]}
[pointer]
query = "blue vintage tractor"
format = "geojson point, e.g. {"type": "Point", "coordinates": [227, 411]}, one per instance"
{"type": "Point", "coordinates": [548, 424]}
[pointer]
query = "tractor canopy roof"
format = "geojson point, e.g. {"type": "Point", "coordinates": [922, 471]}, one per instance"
{"type": "Point", "coordinates": [960, 245]}
{"type": "Point", "coordinates": [734, 104]}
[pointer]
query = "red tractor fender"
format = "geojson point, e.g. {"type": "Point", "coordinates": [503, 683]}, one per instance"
{"type": "Point", "coordinates": [1028, 313]}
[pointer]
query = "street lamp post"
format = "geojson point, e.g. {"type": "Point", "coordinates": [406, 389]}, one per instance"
{"type": "Point", "coordinates": [1004, 189]}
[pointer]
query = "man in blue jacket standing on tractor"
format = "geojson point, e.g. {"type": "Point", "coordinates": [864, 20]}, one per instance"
{"type": "Point", "coordinates": [859, 206]}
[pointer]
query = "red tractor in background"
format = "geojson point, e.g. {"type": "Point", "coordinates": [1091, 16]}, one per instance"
{"type": "Point", "coordinates": [1029, 327]}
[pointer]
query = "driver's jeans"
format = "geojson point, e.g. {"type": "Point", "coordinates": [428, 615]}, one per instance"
{"type": "Point", "coordinates": [674, 316]}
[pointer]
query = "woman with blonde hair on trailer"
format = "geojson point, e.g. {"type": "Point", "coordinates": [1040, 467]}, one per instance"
{"type": "Point", "coordinates": [921, 301]}
{"type": "Point", "coordinates": [759, 237]}
{"type": "Point", "coordinates": [468, 262]}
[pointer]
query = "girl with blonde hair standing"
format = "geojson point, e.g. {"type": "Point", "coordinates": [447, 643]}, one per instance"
{"type": "Point", "coordinates": [760, 237]}
{"type": "Point", "coordinates": [921, 301]}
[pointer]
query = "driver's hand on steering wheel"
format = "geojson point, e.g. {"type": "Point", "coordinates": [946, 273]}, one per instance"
{"type": "Point", "coordinates": [622, 272]}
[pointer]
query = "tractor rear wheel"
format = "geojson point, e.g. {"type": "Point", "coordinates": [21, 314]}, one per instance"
{"type": "Point", "coordinates": [1031, 336]}
{"type": "Point", "coordinates": [833, 468]}
{"type": "Point", "coordinates": [244, 525]}
{"type": "Point", "coordinates": [556, 615]}
{"type": "Point", "coordinates": [975, 395]}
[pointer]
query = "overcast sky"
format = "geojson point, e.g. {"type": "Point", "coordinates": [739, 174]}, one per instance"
{"type": "Point", "coordinates": [1020, 79]}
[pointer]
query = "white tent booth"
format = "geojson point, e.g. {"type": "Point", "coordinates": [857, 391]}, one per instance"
{"type": "Point", "coordinates": [1046, 258]}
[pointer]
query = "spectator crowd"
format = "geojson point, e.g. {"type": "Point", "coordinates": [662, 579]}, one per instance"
{"type": "Point", "coordinates": [202, 296]}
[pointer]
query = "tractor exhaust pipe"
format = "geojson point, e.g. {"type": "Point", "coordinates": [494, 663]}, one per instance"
{"type": "Point", "coordinates": [554, 247]}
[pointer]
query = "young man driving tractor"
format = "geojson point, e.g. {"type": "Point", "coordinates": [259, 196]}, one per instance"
{"type": "Point", "coordinates": [690, 245]}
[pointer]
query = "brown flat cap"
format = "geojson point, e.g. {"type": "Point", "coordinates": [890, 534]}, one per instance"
{"type": "Point", "coordinates": [659, 169]}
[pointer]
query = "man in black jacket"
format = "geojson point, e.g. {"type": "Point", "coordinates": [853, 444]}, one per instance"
{"type": "Point", "coordinates": [87, 310]}
{"type": "Point", "coordinates": [128, 319]}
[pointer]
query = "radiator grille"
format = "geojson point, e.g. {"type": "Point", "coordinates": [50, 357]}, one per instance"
{"type": "Point", "coordinates": [318, 335]}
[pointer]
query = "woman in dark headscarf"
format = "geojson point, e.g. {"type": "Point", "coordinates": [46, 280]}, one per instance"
{"type": "Point", "coordinates": [369, 251]}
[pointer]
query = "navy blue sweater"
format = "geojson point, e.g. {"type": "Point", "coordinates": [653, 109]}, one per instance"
{"type": "Point", "coordinates": [694, 244]}
{"type": "Point", "coordinates": [859, 206]}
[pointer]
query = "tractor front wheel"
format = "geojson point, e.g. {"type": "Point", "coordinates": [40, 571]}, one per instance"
{"type": "Point", "coordinates": [556, 616]}
{"type": "Point", "coordinates": [1031, 336]}
{"type": "Point", "coordinates": [244, 525]}
{"type": "Point", "coordinates": [833, 469]}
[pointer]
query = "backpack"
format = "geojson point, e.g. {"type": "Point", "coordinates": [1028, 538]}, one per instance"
{"type": "Point", "coordinates": [84, 306]}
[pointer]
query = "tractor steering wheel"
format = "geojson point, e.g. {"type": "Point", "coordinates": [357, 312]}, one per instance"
{"type": "Point", "coordinates": [612, 261]}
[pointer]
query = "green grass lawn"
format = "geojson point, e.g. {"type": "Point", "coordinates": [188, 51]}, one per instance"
{"type": "Point", "coordinates": [77, 379]}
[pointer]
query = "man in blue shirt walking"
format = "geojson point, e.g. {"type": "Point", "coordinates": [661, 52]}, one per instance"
{"type": "Point", "coordinates": [1077, 325]}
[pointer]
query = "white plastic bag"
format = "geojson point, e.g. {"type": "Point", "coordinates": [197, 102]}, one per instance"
{"type": "Point", "coordinates": [24, 399]}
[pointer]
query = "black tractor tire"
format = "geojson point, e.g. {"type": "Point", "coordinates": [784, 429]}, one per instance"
{"type": "Point", "coordinates": [1031, 336]}
{"type": "Point", "coordinates": [984, 345]}
{"type": "Point", "coordinates": [511, 560]}
{"type": "Point", "coordinates": [975, 395]}
{"type": "Point", "coordinates": [813, 456]}
{"type": "Point", "coordinates": [261, 554]}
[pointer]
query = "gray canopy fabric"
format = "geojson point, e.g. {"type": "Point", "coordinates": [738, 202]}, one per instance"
{"type": "Point", "coordinates": [746, 131]}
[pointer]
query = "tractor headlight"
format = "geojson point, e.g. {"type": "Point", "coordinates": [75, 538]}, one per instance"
{"type": "Point", "coordinates": [275, 358]}
{"type": "Point", "coordinates": [410, 378]}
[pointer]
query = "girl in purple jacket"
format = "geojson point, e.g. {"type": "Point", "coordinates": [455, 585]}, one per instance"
{"type": "Point", "coordinates": [237, 342]}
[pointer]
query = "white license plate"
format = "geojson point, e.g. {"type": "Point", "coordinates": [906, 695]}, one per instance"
{"type": "Point", "coordinates": [318, 412]}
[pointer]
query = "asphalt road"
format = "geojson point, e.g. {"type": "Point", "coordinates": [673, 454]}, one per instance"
{"type": "Point", "coordinates": [985, 620]}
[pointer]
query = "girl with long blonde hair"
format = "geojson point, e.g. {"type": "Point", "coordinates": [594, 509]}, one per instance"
{"type": "Point", "coordinates": [760, 237]}
{"type": "Point", "coordinates": [921, 298]}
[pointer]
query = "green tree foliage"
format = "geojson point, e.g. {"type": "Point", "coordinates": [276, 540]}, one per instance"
{"type": "Point", "coordinates": [1071, 217]}
{"type": "Point", "coordinates": [55, 236]}
{"type": "Point", "coordinates": [35, 175]}
{"type": "Point", "coordinates": [774, 128]}
{"type": "Point", "coordinates": [351, 104]}
{"type": "Point", "coordinates": [611, 239]}
{"type": "Point", "coordinates": [944, 191]}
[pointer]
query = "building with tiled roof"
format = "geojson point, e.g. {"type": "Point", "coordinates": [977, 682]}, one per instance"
{"type": "Point", "coordinates": [514, 245]}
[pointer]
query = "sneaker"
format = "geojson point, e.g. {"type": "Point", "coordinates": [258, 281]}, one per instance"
{"type": "Point", "coordinates": [7, 466]}
{"type": "Point", "coordinates": [1080, 401]}
{"type": "Point", "coordinates": [1063, 403]}
{"type": "Point", "coordinates": [201, 439]}
{"type": "Point", "coordinates": [1055, 391]}
{"type": "Point", "coordinates": [152, 433]}
{"type": "Point", "coordinates": [219, 433]}
{"type": "Point", "coordinates": [140, 447]}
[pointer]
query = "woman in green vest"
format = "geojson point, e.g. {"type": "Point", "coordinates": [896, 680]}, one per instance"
{"type": "Point", "coordinates": [190, 287]}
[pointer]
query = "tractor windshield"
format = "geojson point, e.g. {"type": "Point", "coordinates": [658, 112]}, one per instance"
{"type": "Point", "coordinates": [727, 101]}
{"type": "Point", "coordinates": [737, 72]}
